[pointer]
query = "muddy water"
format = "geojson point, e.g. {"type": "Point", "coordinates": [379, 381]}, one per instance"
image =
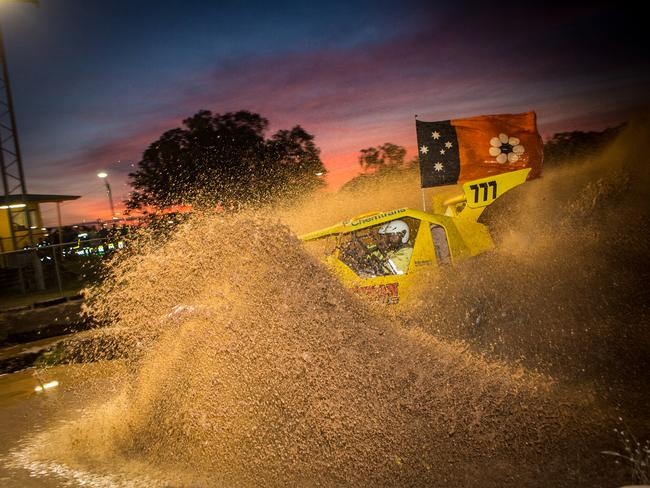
{"type": "Point", "coordinates": [272, 374]}
{"type": "Point", "coordinates": [24, 414]}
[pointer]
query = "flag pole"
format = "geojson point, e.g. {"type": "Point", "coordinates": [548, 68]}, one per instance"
{"type": "Point", "coordinates": [424, 200]}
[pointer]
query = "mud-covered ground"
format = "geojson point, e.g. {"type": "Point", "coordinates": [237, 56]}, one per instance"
{"type": "Point", "coordinates": [509, 370]}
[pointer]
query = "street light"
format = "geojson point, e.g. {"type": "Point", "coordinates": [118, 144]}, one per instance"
{"type": "Point", "coordinates": [104, 176]}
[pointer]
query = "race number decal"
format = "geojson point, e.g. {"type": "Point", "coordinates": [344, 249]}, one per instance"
{"type": "Point", "coordinates": [483, 192]}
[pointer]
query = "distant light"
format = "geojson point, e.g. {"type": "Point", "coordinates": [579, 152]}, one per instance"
{"type": "Point", "coordinates": [43, 228]}
{"type": "Point", "coordinates": [320, 173]}
{"type": "Point", "coordinates": [15, 205]}
{"type": "Point", "coordinates": [102, 174]}
{"type": "Point", "coordinates": [46, 386]}
{"type": "Point", "coordinates": [34, 227]}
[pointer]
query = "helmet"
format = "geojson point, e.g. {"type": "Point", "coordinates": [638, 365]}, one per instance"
{"type": "Point", "coordinates": [396, 227]}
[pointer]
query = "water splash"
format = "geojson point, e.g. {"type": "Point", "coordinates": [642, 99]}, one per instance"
{"type": "Point", "coordinates": [273, 374]}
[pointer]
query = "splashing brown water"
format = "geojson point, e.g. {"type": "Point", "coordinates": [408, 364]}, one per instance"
{"type": "Point", "coordinates": [278, 376]}
{"type": "Point", "coordinates": [565, 291]}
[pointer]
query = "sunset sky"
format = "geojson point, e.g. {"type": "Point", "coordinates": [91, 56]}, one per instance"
{"type": "Point", "coordinates": [95, 82]}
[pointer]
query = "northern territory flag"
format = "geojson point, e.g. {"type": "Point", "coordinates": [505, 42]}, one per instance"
{"type": "Point", "coordinates": [459, 150]}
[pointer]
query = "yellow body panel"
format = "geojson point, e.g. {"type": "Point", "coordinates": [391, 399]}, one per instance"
{"type": "Point", "coordinates": [456, 214]}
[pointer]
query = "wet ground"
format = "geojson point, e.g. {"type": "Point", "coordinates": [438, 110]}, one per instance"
{"type": "Point", "coordinates": [25, 413]}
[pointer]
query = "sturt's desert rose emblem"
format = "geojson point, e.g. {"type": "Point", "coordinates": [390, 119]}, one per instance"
{"type": "Point", "coordinates": [506, 149]}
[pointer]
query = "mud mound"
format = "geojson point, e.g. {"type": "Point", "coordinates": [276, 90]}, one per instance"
{"type": "Point", "coordinates": [565, 289]}
{"type": "Point", "coordinates": [273, 374]}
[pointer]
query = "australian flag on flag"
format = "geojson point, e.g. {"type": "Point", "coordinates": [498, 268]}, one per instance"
{"type": "Point", "coordinates": [438, 151]}
{"type": "Point", "coordinates": [459, 150]}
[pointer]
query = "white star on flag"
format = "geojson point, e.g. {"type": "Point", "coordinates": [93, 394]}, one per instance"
{"type": "Point", "coordinates": [442, 151]}
{"type": "Point", "coordinates": [438, 167]}
{"type": "Point", "coordinates": [448, 145]}
{"type": "Point", "coordinates": [435, 135]}
{"type": "Point", "coordinates": [424, 149]}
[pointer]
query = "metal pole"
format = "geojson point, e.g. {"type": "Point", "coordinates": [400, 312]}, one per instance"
{"type": "Point", "coordinates": [424, 200]}
{"type": "Point", "coordinates": [21, 278]}
{"type": "Point", "coordinates": [56, 268]}
{"type": "Point", "coordinates": [58, 215]}
{"type": "Point", "coordinates": [38, 270]}
{"type": "Point", "coordinates": [110, 198]}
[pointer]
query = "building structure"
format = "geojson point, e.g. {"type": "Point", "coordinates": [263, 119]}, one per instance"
{"type": "Point", "coordinates": [22, 226]}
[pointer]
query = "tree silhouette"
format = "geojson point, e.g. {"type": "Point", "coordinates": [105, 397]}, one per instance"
{"type": "Point", "coordinates": [379, 162]}
{"type": "Point", "coordinates": [567, 147]}
{"type": "Point", "coordinates": [224, 159]}
{"type": "Point", "coordinates": [384, 156]}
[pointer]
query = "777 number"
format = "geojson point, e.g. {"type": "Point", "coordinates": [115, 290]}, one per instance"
{"type": "Point", "coordinates": [485, 186]}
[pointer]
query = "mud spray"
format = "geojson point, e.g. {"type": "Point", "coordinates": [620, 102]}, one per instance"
{"type": "Point", "coordinates": [507, 371]}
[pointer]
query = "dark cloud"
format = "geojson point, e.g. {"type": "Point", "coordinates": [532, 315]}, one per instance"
{"type": "Point", "coordinates": [360, 82]}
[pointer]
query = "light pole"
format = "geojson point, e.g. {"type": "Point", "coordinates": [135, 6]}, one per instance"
{"type": "Point", "coordinates": [104, 176]}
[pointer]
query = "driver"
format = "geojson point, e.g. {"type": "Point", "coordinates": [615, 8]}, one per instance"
{"type": "Point", "coordinates": [394, 243]}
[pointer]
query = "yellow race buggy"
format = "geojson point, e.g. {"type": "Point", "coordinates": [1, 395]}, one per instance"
{"type": "Point", "coordinates": [450, 234]}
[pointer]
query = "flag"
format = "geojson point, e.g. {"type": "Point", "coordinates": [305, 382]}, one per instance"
{"type": "Point", "coordinates": [459, 150]}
